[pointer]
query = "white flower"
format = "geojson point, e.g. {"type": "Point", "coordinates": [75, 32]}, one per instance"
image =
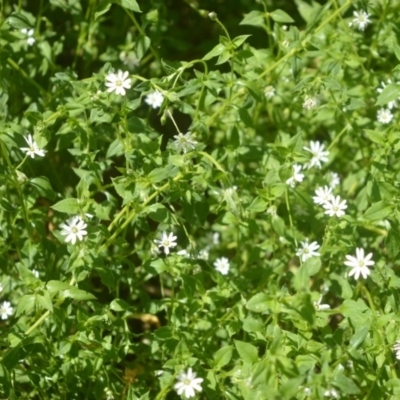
{"type": "Point", "coordinates": [393, 103]}
{"type": "Point", "coordinates": [74, 229]}
{"type": "Point", "coordinates": [188, 384]}
{"type": "Point", "coordinates": [184, 142]}
{"type": "Point", "coordinates": [166, 241]}
{"type": "Point", "coordinates": [33, 148]}
{"type": "Point", "coordinates": [384, 116]}
{"type": "Point", "coordinates": [29, 33]}
{"type": "Point", "coordinates": [1, 287]}
{"type": "Point", "coordinates": [321, 307]}
{"type": "Point", "coordinates": [215, 238]}
{"type": "Point", "coordinates": [5, 310]}
{"type": "Point", "coordinates": [307, 250]}
{"type": "Point", "coordinates": [322, 195]}
{"type": "Point", "coordinates": [129, 59]}
{"type": "Point", "coordinates": [154, 99]}
{"type": "Point", "coordinates": [297, 177]}
{"type": "Point", "coordinates": [203, 254]}
{"type": "Point", "coordinates": [118, 82]}
{"type": "Point", "coordinates": [319, 154]}
{"type": "Point", "coordinates": [184, 253]}
{"type": "Point", "coordinates": [360, 20]}
{"type": "Point", "coordinates": [309, 103]}
{"type": "Point", "coordinates": [396, 348]}
{"type": "Point", "coordinates": [269, 92]}
{"type": "Point", "coordinates": [359, 264]}
{"type": "Point", "coordinates": [332, 393]}
{"type": "Point", "coordinates": [335, 180]}
{"type": "Point", "coordinates": [35, 272]}
{"type": "Point", "coordinates": [335, 206]}
{"type": "Point", "coordinates": [222, 265]}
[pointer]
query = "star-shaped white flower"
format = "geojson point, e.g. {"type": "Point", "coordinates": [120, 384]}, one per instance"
{"type": "Point", "coordinates": [5, 310]}
{"type": "Point", "coordinates": [118, 82]}
{"type": "Point", "coordinates": [322, 195]}
{"type": "Point", "coordinates": [307, 250]}
{"type": "Point", "coordinates": [384, 116]}
{"type": "Point", "coordinates": [166, 241]}
{"type": "Point", "coordinates": [396, 348]}
{"type": "Point", "coordinates": [154, 99]}
{"type": "Point", "coordinates": [319, 154]}
{"type": "Point", "coordinates": [29, 33]}
{"type": "Point", "coordinates": [32, 149]}
{"type": "Point", "coordinates": [321, 307]}
{"type": "Point", "coordinates": [188, 384]}
{"type": "Point", "coordinates": [360, 20]}
{"type": "Point", "coordinates": [334, 180]}
{"type": "Point", "coordinates": [296, 177]}
{"type": "Point", "coordinates": [335, 206]}
{"type": "Point", "coordinates": [74, 229]}
{"type": "Point", "coordinates": [222, 265]}
{"type": "Point", "coordinates": [359, 264]}
{"type": "Point", "coordinates": [184, 142]}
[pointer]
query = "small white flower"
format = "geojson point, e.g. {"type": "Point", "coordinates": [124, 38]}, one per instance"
{"type": "Point", "coordinates": [188, 384]}
{"type": "Point", "coordinates": [335, 180]}
{"type": "Point", "coordinates": [384, 116]}
{"type": "Point", "coordinates": [222, 265]}
{"type": "Point", "coordinates": [5, 310]}
{"type": "Point", "coordinates": [269, 92]}
{"type": "Point", "coordinates": [118, 82]}
{"type": "Point", "coordinates": [33, 148]}
{"type": "Point", "coordinates": [35, 272]}
{"type": "Point", "coordinates": [215, 238]}
{"type": "Point", "coordinates": [309, 103]}
{"type": "Point", "coordinates": [1, 287]}
{"type": "Point", "coordinates": [359, 264]}
{"type": "Point", "coordinates": [307, 250]}
{"type": "Point", "coordinates": [332, 393]}
{"type": "Point", "coordinates": [166, 241]}
{"type": "Point", "coordinates": [335, 206]}
{"type": "Point", "coordinates": [322, 195]}
{"type": "Point", "coordinates": [360, 20]}
{"type": "Point", "coordinates": [129, 59]}
{"type": "Point", "coordinates": [183, 253]}
{"type": "Point", "coordinates": [392, 104]}
{"type": "Point", "coordinates": [297, 177]}
{"type": "Point", "coordinates": [184, 142]}
{"type": "Point", "coordinates": [74, 229]}
{"type": "Point", "coordinates": [203, 254]}
{"type": "Point", "coordinates": [319, 154]}
{"type": "Point", "coordinates": [321, 307]}
{"type": "Point", "coordinates": [396, 349]}
{"type": "Point", "coordinates": [29, 33]}
{"type": "Point", "coordinates": [154, 99]}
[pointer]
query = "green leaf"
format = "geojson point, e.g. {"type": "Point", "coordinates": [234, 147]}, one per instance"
{"type": "Point", "coordinates": [222, 357]}
{"type": "Point", "coordinates": [142, 44]}
{"type": "Point", "coordinates": [258, 205]}
{"type": "Point", "coordinates": [281, 16]}
{"type": "Point", "coordinates": [215, 52]}
{"type": "Point", "coordinates": [393, 242]}
{"type": "Point", "coordinates": [239, 40]}
{"type": "Point", "coordinates": [258, 303]}
{"type": "Point", "coordinates": [376, 136]}
{"type": "Point", "coordinates": [119, 305]}
{"type": "Point", "coordinates": [358, 338]}
{"type": "Point", "coordinates": [68, 206]}
{"type": "Point", "coordinates": [43, 187]}
{"type": "Point", "coordinates": [159, 174]}
{"type": "Point", "coordinates": [25, 304]}
{"type": "Point", "coordinates": [78, 294]}
{"type": "Point", "coordinates": [19, 21]}
{"type": "Point", "coordinates": [254, 18]}
{"type": "Point", "coordinates": [45, 301]}
{"type": "Point", "coordinates": [378, 211]}
{"type": "Point", "coordinates": [129, 4]}
{"type": "Point", "coordinates": [389, 93]}
{"type": "Point", "coordinates": [346, 385]}
{"type": "Point", "coordinates": [102, 7]}
{"type": "Point", "coordinates": [247, 351]}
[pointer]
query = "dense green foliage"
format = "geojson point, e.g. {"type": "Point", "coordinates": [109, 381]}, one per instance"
{"type": "Point", "coordinates": [224, 157]}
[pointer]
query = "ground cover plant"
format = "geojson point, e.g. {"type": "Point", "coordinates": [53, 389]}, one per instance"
{"type": "Point", "coordinates": [199, 199]}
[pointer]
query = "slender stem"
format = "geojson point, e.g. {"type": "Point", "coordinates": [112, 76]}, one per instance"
{"type": "Point", "coordinates": [213, 160]}
{"type": "Point", "coordinates": [290, 215]}
{"type": "Point", "coordinates": [173, 121]}
{"type": "Point", "coordinates": [337, 137]}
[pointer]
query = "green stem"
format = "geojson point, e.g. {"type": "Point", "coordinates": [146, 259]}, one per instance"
{"type": "Point", "coordinates": [290, 216]}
